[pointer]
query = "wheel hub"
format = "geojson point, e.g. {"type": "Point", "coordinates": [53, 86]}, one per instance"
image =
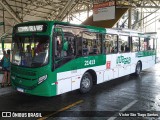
{"type": "Point", "coordinates": [138, 69]}
{"type": "Point", "coordinates": [85, 82]}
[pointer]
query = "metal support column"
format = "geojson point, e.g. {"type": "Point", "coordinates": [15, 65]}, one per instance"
{"type": "Point", "coordinates": [87, 11]}
{"type": "Point", "coordinates": [129, 18]}
{"type": "Point", "coordinates": [3, 21]}
{"type": "Point", "coordinates": [141, 23]}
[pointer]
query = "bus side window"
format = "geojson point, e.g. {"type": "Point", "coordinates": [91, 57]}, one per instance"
{"type": "Point", "coordinates": [143, 44]}
{"type": "Point", "coordinates": [135, 44]}
{"type": "Point", "coordinates": [71, 46]}
{"type": "Point", "coordinates": [146, 44]}
{"type": "Point", "coordinates": [124, 43]}
{"type": "Point", "coordinates": [79, 46]}
{"type": "Point", "coordinates": [110, 44]}
{"type": "Point", "coordinates": [85, 47]}
{"type": "Point", "coordinates": [151, 44]}
{"type": "Point", "coordinates": [91, 43]}
{"type": "Point", "coordinates": [58, 46]}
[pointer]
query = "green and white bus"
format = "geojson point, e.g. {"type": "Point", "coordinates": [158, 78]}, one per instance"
{"type": "Point", "coordinates": [51, 57]}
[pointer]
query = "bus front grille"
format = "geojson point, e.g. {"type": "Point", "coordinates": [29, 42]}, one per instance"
{"type": "Point", "coordinates": [23, 72]}
{"type": "Point", "coordinates": [23, 86]}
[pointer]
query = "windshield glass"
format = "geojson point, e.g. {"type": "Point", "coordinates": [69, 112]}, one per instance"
{"type": "Point", "coordinates": [30, 51]}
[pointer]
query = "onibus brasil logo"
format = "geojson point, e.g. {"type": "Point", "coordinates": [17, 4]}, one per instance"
{"type": "Point", "coordinates": [124, 60]}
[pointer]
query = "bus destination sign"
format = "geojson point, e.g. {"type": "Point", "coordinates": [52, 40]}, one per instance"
{"type": "Point", "coordinates": [31, 28]}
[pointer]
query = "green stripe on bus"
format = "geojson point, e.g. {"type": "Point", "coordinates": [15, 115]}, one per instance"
{"type": "Point", "coordinates": [145, 53]}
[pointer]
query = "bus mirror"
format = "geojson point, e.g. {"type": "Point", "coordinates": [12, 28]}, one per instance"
{"type": "Point", "coordinates": [65, 46]}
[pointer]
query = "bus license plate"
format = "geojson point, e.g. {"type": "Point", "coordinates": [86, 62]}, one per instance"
{"type": "Point", "coordinates": [20, 89]}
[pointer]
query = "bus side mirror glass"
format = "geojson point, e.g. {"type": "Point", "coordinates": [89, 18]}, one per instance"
{"type": "Point", "coordinates": [65, 46]}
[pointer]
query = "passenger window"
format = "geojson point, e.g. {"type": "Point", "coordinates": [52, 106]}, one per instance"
{"type": "Point", "coordinates": [135, 44]}
{"type": "Point", "coordinates": [110, 44]}
{"type": "Point", "coordinates": [124, 44]}
{"type": "Point", "coordinates": [58, 44]}
{"type": "Point", "coordinates": [79, 46]}
{"type": "Point", "coordinates": [91, 43]}
{"type": "Point", "coordinates": [151, 45]}
{"type": "Point", "coordinates": [143, 44]}
{"type": "Point", "coordinates": [68, 40]}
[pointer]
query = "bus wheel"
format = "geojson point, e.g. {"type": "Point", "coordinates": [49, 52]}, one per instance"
{"type": "Point", "coordinates": [138, 69]}
{"type": "Point", "coordinates": [86, 83]}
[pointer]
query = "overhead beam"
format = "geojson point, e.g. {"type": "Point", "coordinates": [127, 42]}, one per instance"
{"type": "Point", "coordinates": [69, 11]}
{"type": "Point", "coordinates": [6, 20]}
{"type": "Point", "coordinates": [156, 19]}
{"type": "Point", "coordinates": [6, 33]}
{"type": "Point", "coordinates": [11, 11]}
{"type": "Point", "coordinates": [154, 3]}
{"type": "Point", "coordinates": [145, 17]}
{"type": "Point", "coordinates": [76, 18]}
{"type": "Point", "coordinates": [61, 12]}
{"type": "Point", "coordinates": [65, 9]}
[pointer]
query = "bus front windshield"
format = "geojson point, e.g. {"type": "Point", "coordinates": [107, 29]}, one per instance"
{"type": "Point", "coordinates": [30, 51]}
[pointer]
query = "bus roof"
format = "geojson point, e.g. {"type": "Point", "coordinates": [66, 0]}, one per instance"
{"type": "Point", "coordinates": [118, 31]}
{"type": "Point", "coordinates": [90, 28]}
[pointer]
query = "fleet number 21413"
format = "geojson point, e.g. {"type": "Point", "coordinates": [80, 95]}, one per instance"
{"type": "Point", "coordinates": [89, 62]}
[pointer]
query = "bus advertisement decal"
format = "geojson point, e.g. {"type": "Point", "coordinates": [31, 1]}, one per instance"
{"type": "Point", "coordinates": [124, 60]}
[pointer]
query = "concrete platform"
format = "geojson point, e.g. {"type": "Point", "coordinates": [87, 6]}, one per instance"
{"type": "Point", "coordinates": [6, 89]}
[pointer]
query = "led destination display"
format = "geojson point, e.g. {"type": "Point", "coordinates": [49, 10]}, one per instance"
{"type": "Point", "coordinates": [31, 28]}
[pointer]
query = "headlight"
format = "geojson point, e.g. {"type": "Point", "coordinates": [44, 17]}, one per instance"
{"type": "Point", "coordinates": [41, 79]}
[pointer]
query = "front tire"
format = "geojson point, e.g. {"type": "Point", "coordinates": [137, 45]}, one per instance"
{"type": "Point", "coordinates": [86, 83]}
{"type": "Point", "coordinates": [138, 69]}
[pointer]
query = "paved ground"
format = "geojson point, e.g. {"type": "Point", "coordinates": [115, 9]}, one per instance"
{"type": "Point", "coordinates": [128, 95]}
{"type": "Point", "coordinates": [6, 90]}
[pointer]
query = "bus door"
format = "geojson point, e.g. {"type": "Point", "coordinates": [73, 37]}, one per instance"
{"type": "Point", "coordinates": [64, 59]}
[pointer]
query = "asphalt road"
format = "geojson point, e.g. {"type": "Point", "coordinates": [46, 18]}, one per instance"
{"type": "Point", "coordinates": [125, 98]}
